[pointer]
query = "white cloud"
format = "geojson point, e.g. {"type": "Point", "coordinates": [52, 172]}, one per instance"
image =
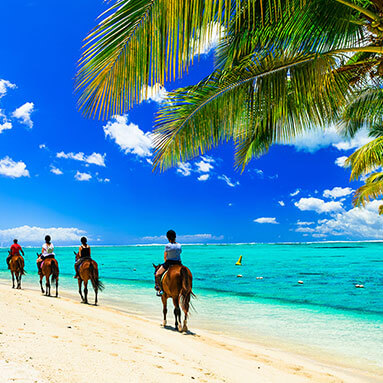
{"type": "Point", "coordinates": [105, 180]}
{"type": "Point", "coordinates": [266, 220]}
{"type": "Point", "coordinates": [94, 158]}
{"type": "Point", "coordinates": [341, 161]}
{"type": "Point", "coordinates": [203, 177]}
{"type": "Point", "coordinates": [305, 230]}
{"type": "Point", "coordinates": [24, 112]}
{"type": "Point", "coordinates": [37, 234]}
{"type": "Point", "coordinates": [205, 165]}
{"type": "Point", "coordinates": [318, 205]}
{"type": "Point", "coordinates": [129, 137]}
{"type": "Point", "coordinates": [82, 176]}
{"type": "Point", "coordinates": [206, 42]}
{"type": "Point", "coordinates": [6, 125]}
{"type": "Point", "coordinates": [281, 203]}
{"type": "Point", "coordinates": [43, 146]}
{"type": "Point", "coordinates": [364, 223]}
{"type": "Point", "coordinates": [156, 93]}
{"type": "Point", "coordinates": [10, 168]}
{"type": "Point", "coordinates": [337, 192]}
{"type": "Point", "coordinates": [303, 223]}
{"type": "Point", "coordinates": [56, 171]}
{"type": "Point", "coordinates": [4, 86]}
{"type": "Point", "coordinates": [361, 138]}
{"type": "Point", "coordinates": [315, 139]}
{"type": "Point", "coordinates": [185, 238]}
{"type": "Point", "coordinates": [184, 168]}
{"type": "Point", "coordinates": [228, 181]}
{"type": "Point", "coordinates": [295, 193]}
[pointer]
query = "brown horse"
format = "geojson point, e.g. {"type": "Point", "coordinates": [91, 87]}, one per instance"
{"type": "Point", "coordinates": [49, 270]}
{"type": "Point", "coordinates": [88, 270]}
{"type": "Point", "coordinates": [177, 284]}
{"type": "Point", "coordinates": [16, 265]}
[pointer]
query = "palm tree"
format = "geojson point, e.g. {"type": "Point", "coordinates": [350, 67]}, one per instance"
{"type": "Point", "coordinates": [280, 67]}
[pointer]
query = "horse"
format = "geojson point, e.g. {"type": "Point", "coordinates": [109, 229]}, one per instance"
{"type": "Point", "coordinates": [88, 270]}
{"type": "Point", "coordinates": [49, 269]}
{"type": "Point", "coordinates": [177, 284]}
{"type": "Point", "coordinates": [16, 265]}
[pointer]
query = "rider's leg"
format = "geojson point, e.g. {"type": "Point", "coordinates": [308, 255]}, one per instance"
{"type": "Point", "coordinates": [157, 278]}
{"type": "Point", "coordinates": [8, 259]}
{"type": "Point", "coordinates": [76, 269]}
{"type": "Point", "coordinates": [38, 263]}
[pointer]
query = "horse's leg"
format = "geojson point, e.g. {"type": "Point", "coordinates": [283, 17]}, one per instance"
{"type": "Point", "coordinates": [41, 283]}
{"type": "Point", "coordinates": [185, 326]}
{"type": "Point", "coordinates": [79, 288]}
{"type": "Point", "coordinates": [13, 280]}
{"type": "Point", "coordinates": [18, 279]}
{"type": "Point", "coordinates": [19, 286]}
{"type": "Point", "coordinates": [47, 286]}
{"type": "Point", "coordinates": [164, 299]}
{"type": "Point", "coordinates": [95, 288]}
{"type": "Point", "coordinates": [177, 313]}
{"type": "Point", "coordinates": [57, 287]}
{"type": "Point", "coordinates": [86, 291]}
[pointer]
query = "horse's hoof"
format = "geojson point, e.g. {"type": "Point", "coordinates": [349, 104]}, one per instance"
{"type": "Point", "coordinates": [179, 328]}
{"type": "Point", "coordinates": [164, 323]}
{"type": "Point", "coordinates": [185, 329]}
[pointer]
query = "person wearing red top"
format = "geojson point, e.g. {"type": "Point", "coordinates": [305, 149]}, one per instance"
{"type": "Point", "coordinates": [15, 250]}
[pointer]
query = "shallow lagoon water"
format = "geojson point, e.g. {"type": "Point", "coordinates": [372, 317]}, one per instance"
{"type": "Point", "coordinates": [326, 313]}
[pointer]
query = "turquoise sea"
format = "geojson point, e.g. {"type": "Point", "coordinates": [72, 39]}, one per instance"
{"type": "Point", "coordinates": [326, 314]}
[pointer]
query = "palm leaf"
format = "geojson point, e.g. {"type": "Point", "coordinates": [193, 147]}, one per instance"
{"type": "Point", "coordinates": [366, 159]}
{"type": "Point", "coordinates": [275, 96]}
{"type": "Point", "coordinates": [372, 189]}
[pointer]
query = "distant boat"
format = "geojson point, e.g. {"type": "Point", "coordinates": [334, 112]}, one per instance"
{"type": "Point", "coordinates": [239, 262]}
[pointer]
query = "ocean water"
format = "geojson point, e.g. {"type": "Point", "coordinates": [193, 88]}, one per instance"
{"type": "Point", "coordinates": [326, 314]}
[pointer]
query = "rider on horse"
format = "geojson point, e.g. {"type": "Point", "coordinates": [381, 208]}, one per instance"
{"type": "Point", "coordinates": [47, 251]}
{"type": "Point", "coordinates": [83, 253]}
{"type": "Point", "coordinates": [15, 250]}
{"type": "Point", "coordinates": [172, 256]}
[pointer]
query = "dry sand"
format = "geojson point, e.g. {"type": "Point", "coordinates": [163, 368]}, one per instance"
{"type": "Point", "coordinates": [60, 340]}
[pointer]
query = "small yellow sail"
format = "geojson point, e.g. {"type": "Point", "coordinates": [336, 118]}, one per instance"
{"type": "Point", "coordinates": [239, 262]}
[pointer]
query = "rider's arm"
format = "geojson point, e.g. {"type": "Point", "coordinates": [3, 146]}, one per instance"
{"type": "Point", "coordinates": [165, 255]}
{"type": "Point", "coordinates": [79, 252]}
{"type": "Point", "coordinates": [22, 251]}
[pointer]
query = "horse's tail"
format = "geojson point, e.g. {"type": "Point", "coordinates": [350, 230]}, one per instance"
{"type": "Point", "coordinates": [186, 290]}
{"type": "Point", "coordinates": [54, 270]}
{"type": "Point", "coordinates": [93, 272]}
{"type": "Point", "coordinates": [20, 264]}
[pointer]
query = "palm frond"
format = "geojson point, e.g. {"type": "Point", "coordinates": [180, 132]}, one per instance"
{"type": "Point", "coordinates": [366, 159]}
{"type": "Point", "coordinates": [372, 189]}
{"type": "Point", "coordinates": [275, 96]}
{"type": "Point", "coordinates": [365, 111]}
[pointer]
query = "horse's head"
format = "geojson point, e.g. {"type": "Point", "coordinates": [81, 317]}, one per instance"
{"type": "Point", "coordinates": [156, 267]}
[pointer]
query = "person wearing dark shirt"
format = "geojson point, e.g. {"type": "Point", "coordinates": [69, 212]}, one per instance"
{"type": "Point", "coordinates": [83, 253]}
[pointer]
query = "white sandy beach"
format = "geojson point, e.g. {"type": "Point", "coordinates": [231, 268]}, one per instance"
{"type": "Point", "coordinates": [61, 340]}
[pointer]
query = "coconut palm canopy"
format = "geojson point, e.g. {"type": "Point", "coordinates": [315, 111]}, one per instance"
{"type": "Point", "coordinates": [280, 68]}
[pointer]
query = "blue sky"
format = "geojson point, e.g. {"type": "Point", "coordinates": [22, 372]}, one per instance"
{"type": "Point", "coordinates": [107, 189]}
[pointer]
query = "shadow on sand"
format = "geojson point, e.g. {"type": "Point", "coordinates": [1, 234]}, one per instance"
{"type": "Point", "coordinates": [171, 328]}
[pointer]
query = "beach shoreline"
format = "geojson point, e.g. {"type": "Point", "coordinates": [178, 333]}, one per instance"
{"type": "Point", "coordinates": [55, 338]}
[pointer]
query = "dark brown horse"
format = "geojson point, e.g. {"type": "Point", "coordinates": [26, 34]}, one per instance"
{"type": "Point", "coordinates": [177, 284]}
{"type": "Point", "coordinates": [49, 270]}
{"type": "Point", "coordinates": [88, 270]}
{"type": "Point", "coordinates": [16, 265]}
